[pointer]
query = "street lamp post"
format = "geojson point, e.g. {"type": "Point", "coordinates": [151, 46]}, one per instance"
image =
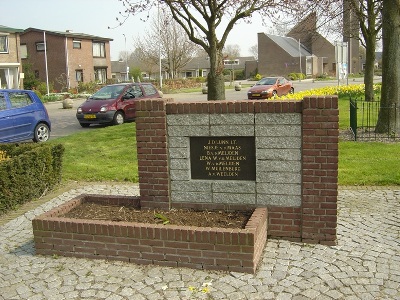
{"type": "Point", "coordinates": [126, 61]}
{"type": "Point", "coordinates": [159, 50]}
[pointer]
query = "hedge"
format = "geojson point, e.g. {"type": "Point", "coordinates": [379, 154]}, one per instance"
{"type": "Point", "coordinates": [28, 171]}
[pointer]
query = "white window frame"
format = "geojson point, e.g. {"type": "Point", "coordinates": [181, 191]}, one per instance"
{"type": "Point", "coordinates": [3, 45]}
{"type": "Point", "coordinates": [99, 49]}
{"type": "Point", "coordinates": [24, 51]}
{"type": "Point", "coordinates": [100, 75]}
{"type": "Point", "coordinates": [40, 46]}
{"type": "Point", "coordinates": [79, 75]}
{"type": "Point", "coordinates": [76, 44]}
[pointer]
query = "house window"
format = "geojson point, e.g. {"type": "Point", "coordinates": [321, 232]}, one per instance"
{"type": "Point", "coordinates": [100, 75]}
{"type": "Point", "coordinates": [76, 44]}
{"type": "Point", "coordinates": [3, 44]}
{"type": "Point", "coordinates": [79, 75]}
{"type": "Point", "coordinates": [24, 51]}
{"type": "Point", "coordinates": [99, 49]}
{"type": "Point", "coordinates": [40, 46]}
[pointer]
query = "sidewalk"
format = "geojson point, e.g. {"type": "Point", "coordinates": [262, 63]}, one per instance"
{"type": "Point", "coordinates": [364, 265]}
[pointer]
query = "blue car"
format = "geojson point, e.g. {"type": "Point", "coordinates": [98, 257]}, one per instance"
{"type": "Point", "coordinates": [23, 117]}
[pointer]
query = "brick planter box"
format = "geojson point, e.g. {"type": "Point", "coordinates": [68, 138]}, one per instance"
{"type": "Point", "coordinates": [237, 250]}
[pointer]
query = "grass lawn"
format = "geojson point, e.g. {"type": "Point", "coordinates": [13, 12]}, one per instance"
{"type": "Point", "coordinates": [101, 154]}
{"type": "Point", "coordinates": [371, 163]}
{"type": "Point", "coordinates": [109, 154]}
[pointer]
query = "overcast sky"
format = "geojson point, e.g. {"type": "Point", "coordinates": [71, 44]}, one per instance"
{"type": "Point", "coordinates": [95, 16]}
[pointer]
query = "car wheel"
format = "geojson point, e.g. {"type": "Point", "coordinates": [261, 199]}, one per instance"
{"type": "Point", "coordinates": [118, 118]}
{"type": "Point", "coordinates": [41, 133]}
{"type": "Point", "coordinates": [291, 91]}
{"type": "Point", "coordinates": [274, 94]}
{"type": "Point", "coordinates": [84, 125]}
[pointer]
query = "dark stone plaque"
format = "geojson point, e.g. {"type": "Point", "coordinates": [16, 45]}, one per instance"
{"type": "Point", "coordinates": [223, 158]}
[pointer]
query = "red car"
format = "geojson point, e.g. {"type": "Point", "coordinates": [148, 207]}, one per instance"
{"type": "Point", "coordinates": [114, 104]}
{"type": "Point", "coordinates": [269, 87]}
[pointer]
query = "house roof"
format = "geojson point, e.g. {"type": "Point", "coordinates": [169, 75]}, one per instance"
{"type": "Point", "coordinates": [9, 29]}
{"type": "Point", "coordinates": [118, 66]}
{"type": "Point", "coordinates": [290, 45]}
{"type": "Point", "coordinates": [69, 34]}
{"type": "Point", "coordinates": [201, 62]}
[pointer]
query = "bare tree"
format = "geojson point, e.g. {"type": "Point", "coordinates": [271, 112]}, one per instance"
{"type": "Point", "coordinates": [352, 17]}
{"type": "Point", "coordinates": [147, 60]}
{"type": "Point", "coordinates": [231, 51]}
{"type": "Point", "coordinates": [202, 19]}
{"type": "Point", "coordinates": [254, 51]}
{"type": "Point", "coordinates": [368, 14]}
{"type": "Point", "coordinates": [390, 97]}
{"type": "Point", "coordinates": [171, 43]}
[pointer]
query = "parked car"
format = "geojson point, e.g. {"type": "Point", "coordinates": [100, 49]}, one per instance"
{"type": "Point", "coordinates": [269, 87]}
{"type": "Point", "coordinates": [23, 117]}
{"type": "Point", "coordinates": [115, 103]}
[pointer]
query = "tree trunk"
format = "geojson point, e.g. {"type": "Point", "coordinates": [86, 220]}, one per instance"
{"type": "Point", "coordinates": [369, 69]}
{"type": "Point", "coordinates": [390, 96]}
{"type": "Point", "coordinates": [215, 78]}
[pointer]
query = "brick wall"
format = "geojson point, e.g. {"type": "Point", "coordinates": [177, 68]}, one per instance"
{"type": "Point", "coordinates": [237, 250]}
{"type": "Point", "coordinates": [312, 218]}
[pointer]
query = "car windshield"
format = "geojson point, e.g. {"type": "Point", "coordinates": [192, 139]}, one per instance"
{"type": "Point", "coordinates": [267, 81]}
{"type": "Point", "coordinates": [108, 92]}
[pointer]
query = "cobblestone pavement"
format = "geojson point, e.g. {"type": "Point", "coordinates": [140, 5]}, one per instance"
{"type": "Point", "coordinates": [364, 265]}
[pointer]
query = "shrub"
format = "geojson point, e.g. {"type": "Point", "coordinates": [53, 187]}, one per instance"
{"type": "Point", "coordinates": [3, 155]}
{"type": "Point", "coordinates": [30, 171]}
{"type": "Point", "coordinates": [87, 87]}
{"type": "Point", "coordinates": [42, 88]}
{"type": "Point", "coordinates": [52, 97]}
{"type": "Point", "coordinates": [296, 76]}
{"type": "Point", "coordinates": [354, 90]}
{"type": "Point", "coordinates": [257, 77]}
{"type": "Point", "coordinates": [239, 75]}
{"type": "Point", "coordinates": [170, 85]}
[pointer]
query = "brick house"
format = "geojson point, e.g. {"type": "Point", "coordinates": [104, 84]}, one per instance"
{"type": "Point", "coordinates": [119, 71]}
{"type": "Point", "coordinates": [70, 57]}
{"type": "Point", "coordinates": [10, 57]}
{"type": "Point", "coordinates": [303, 50]}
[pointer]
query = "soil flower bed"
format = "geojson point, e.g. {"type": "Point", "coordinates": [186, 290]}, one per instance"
{"type": "Point", "coordinates": [237, 247]}
{"type": "Point", "coordinates": [184, 217]}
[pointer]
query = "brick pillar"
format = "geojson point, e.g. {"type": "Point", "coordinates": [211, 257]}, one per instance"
{"type": "Point", "coordinates": [151, 139]}
{"type": "Point", "coordinates": [320, 169]}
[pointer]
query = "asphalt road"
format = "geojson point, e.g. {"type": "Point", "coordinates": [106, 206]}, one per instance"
{"type": "Point", "coordinates": [65, 123]}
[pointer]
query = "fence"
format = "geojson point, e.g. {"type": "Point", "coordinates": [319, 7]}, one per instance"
{"type": "Point", "coordinates": [364, 118]}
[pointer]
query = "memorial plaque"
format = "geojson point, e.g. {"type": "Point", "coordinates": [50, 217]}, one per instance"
{"type": "Point", "coordinates": [223, 158]}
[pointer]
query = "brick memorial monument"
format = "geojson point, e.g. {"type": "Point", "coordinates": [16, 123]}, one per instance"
{"type": "Point", "coordinates": [278, 158]}
{"type": "Point", "coordinates": [285, 159]}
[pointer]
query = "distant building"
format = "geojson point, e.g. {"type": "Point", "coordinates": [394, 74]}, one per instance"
{"type": "Point", "coordinates": [196, 67]}
{"type": "Point", "coordinates": [279, 56]}
{"type": "Point", "coordinates": [119, 71]}
{"type": "Point", "coordinates": [66, 58]}
{"type": "Point", "coordinates": [302, 50]}
{"type": "Point", "coordinates": [10, 58]}
{"type": "Point", "coordinates": [200, 66]}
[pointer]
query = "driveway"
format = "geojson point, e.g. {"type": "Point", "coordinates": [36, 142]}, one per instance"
{"type": "Point", "coordinates": [364, 265]}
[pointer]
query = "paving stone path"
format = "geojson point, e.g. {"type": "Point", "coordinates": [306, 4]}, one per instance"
{"type": "Point", "coordinates": [364, 265]}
